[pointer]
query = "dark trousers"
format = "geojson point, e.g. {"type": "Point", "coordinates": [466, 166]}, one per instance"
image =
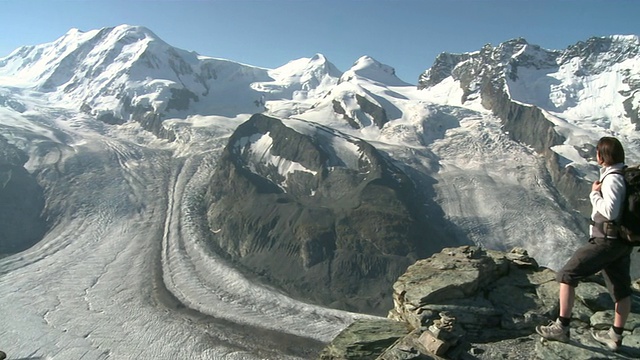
{"type": "Point", "coordinates": [613, 256]}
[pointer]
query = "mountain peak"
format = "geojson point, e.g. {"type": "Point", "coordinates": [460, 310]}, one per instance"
{"type": "Point", "coordinates": [367, 63]}
{"type": "Point", "coordinates": [317, 64]}
{"type": "Point", "coordinates": [319, 58]}
{"type": "Point", "coordinates": [369, 68]}
{"type": "Point", "coordinates": [124, 34]}
{"type": "Point", "coordinates": [131, 33]}
{"type": "Point", "coordinates": [301, 78]}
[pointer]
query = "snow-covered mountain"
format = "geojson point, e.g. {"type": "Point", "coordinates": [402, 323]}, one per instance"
{"type": "Point", "coordinates": [126, 135]}
{"type": "Point", "coordinates": [128, 73]}
{"type": "Point", "coordinates": [595, 82]}
{"type": "Point", "coordinates": [558, 102]}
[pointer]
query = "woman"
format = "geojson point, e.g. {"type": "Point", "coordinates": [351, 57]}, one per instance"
{"type": "Point", "coordinates": [604, 251]}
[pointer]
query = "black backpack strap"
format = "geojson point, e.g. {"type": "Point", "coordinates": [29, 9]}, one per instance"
{"type": "Point", "coordinates": [619, 172]}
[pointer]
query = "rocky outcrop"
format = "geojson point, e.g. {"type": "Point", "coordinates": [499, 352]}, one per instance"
{"type": "Point", "coordinates": [21, 202]}
{"type": "Point", "coordinates": [470, 303]}
{"type": "Point", "coordinates": [511, 295]}
{"type": "Point", "coordinates": [366, 110]}
{"type": "Point", "coordinates": [323, 216]}
{"type": "Point", "coordinates": [150, 119]}
{"type": "Point", "coordinates": [366, 339]}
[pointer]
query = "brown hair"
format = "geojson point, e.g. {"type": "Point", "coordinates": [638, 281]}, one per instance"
{"type": "Point", "coordinates": [611, 151]}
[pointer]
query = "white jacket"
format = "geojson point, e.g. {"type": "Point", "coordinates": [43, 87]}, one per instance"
{"type": "Point", "coordinates": [608, 201]}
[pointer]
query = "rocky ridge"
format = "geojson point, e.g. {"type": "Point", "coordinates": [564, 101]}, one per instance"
{"type": "Point", "coordinates": [471, 303]}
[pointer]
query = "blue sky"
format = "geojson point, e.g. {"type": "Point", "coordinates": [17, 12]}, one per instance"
{"type": "Point", "coordinates": [405, 34]}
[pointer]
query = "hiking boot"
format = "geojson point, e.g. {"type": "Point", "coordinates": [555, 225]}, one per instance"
{"type": "Point", "coordinates": [608, 337]}
{"type": "Point", "coordinates": [554, 331]}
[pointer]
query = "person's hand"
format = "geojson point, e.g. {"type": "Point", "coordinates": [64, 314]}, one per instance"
{"type": "Point", "coordinates": [597, 185]}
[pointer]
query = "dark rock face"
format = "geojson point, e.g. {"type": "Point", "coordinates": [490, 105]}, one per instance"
{"type": "Point", "coordinates": [323, 216]}
{"type": "Point", "coordinates": [180, 99]}
{"type": "Point", "coordinates": [633, 112]}
{"type": "Point", "coordinates": [21, 202]}
{"type": "Point", "coordinates": [378, 114]}
{"type": "Point", "coordinates": [441, 69]}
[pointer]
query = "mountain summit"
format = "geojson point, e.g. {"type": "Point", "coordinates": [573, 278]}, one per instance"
{"type": "Point", "coordinates": [368, 68]}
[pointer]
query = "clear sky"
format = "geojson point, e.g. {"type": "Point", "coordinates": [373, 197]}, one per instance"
{"type": "Point", "coordinates": [405, 34]}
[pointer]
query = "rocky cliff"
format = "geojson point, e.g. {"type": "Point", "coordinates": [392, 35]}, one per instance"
{"type": "Point", "coordinates": [470, 303]}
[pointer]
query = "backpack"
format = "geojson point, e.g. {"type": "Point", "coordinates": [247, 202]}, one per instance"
{"type": "Point", "coordinates": [629, 224]}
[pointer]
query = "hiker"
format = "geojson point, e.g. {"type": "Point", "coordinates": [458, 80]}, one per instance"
{"type": "Point", "coordinates": [604, 251]}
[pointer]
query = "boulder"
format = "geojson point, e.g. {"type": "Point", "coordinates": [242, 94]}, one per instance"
{"type": "Point", "coordinates": [484, 289]}
{"type": "Point", "coordinates": [365, 339]}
